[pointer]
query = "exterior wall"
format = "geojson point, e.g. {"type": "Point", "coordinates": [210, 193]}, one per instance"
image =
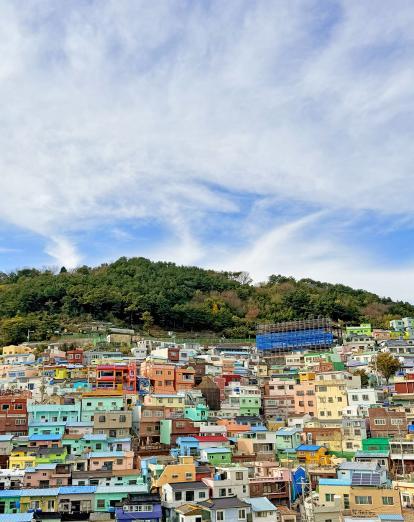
{"type": "Point", "coordinates": [13, 414]}
{"type": "Point", "coordinates": [183, 472]}
{"type": "Point", "coordinates": [386, 423]}
{"type": "Point", "coordinates": [304, 398]}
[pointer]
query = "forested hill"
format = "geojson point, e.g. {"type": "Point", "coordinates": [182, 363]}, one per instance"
{"type": "Point", "coordinates": [174, 298]}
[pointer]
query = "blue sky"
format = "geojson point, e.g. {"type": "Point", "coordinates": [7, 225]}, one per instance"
{"type": "Point", "coordinates": [267, 136]}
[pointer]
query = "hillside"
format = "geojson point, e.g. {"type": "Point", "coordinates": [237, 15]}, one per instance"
{"type": "Point", "coordinates": [178, 298]}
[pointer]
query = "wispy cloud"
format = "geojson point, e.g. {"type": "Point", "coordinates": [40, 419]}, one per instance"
{"type": "Point", "coordinates": [168, 111]}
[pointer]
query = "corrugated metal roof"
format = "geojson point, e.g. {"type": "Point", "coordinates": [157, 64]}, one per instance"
{"type": "Point", "coordinates": [76, 490]}
{"type": "Point", "coordinates": [307, 447]}
{"type": "Point", "coordinates": [334, 482]}
{"type": "Point", "coordinates": [260, 504]}
{"type": "Point", "coordinates": [40, 437]}
{"type": "Point", "coordinates": [16, 517]}
{"type": "Point", "coordinates": [99, 454]}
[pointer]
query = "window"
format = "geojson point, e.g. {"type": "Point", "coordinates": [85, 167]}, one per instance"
{"type": "Point", "coordinates": [219, 516]}
{"type": "Point", "coordinates": [379, 422]}
{"type": "Point", "coordinates": [100, 503]}
{"type": "Point", "coordinates": [329, 497]}
{"type": "Point", "coordinates": [354, 397]}
{"type": "Point", "coordinates": [201, 494]}
{"type": "Point", "coordinates": [122, 418]}
{"type": "Point", "coordinates": [239, 475]}
{"type": "Point", "coordinates": [363, 500]}
{"type": "Point", "coordinates": [50, 505]}
{"type": "Point", "coordinates": [395, 422]}
{"type": "Point", "coordinates": [388, 501]}
{"type": "Point", "coordinates": [178, 495]}
{"type": "Point", "coordinates": [18, 406]}
{"type": "Point", "coordinates": [189, 475]}
{"type": "Point", "coordinates": [365, 397]}
{"type": "Point", "coordinates": [222, 492]}
{"type": "Point", "coordinates": [242, 514]}
{"type": "Point", "coordinates": [102, 418]}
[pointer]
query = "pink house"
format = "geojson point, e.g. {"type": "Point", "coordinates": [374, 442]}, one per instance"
{"type": "Point", "coordinates": [47, 476]}
{"type": "Point", "coordinates": [305, 400]}
{"type": "Point", "coordinates": [110, 460]}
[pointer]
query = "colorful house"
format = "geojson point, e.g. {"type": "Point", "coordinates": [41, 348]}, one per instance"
{"type": "Point", "coordinates": [309, 454]}
{"type": "Point", "coordinates": [216, 456]}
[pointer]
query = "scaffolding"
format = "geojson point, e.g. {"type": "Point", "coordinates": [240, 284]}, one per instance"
{"type": "Point", "coordinates": [301, 335]}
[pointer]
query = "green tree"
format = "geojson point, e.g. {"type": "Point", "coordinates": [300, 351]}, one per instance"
{"type": "Point", "coordinates": [364, 377]}
{"type": "Point", "coordinates": [147, 320]}
{"type": "Point", "coordinates": [387, 365]}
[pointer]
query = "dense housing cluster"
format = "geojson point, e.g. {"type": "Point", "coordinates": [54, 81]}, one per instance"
{"type": "Point", "coordinates": [146, 429]}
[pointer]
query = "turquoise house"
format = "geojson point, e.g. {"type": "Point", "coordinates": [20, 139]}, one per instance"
{"type": "Point", "coordinates": [197, 413]}
{"type": "Point", "coordinates": [50, 428]}
{"type": "Point", "coordinates": [46, 413]}
{"type": "Point", "coordinates": [288, 438]}
{"type": "Point", "coordinates": [90, 405]}
{"type": "Point", "coordinates": [106, 497]}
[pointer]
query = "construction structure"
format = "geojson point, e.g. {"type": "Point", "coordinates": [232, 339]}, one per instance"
{"type": "Point", "coordinates": [308, 334]}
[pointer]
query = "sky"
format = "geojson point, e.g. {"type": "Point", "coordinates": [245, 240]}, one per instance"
{"type": "Point", "coordinates": [272, 136]}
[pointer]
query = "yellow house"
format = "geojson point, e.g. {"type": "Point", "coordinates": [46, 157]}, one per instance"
{"type": "Point", "coordinates": [61, 373]}
{"type": "Point", "coordinates": [331, 395]}
{"type": "Point", "coordinates": [46, 501]}
{"type": "Point", "coordinates": [313, 455]}
{"type": "Point", "coordinates": [183, 471]}
{"type": "Point", "coordinates": [306, 376]}
{"type": "Point", "coordinates": [406, 490]}
{"type": "Point", "coordinates": [22, 458]}
{"type": "Point", "coordinates": [362, 501]}
{"type": "Point", "coordinates": [16, 350]}
{"type": "Point", "coordinates": [166, 400]}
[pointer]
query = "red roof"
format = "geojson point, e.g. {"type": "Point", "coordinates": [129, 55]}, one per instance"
{"type": "Point", "coordinates": [211, 438]}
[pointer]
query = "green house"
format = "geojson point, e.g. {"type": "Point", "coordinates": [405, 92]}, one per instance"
{"type": "Point", "coordinates": [288, 438]}
{"type": "Point", "coordinates": [91, 405]}
{"type": "Point", "coordinates": [216, 456]}
{"type": "Point", "coordinates": [197, 413]}
{"type": "Point", "coordinates": [51, 456]}
{"type": "Point", "coordinates": [376, 444]}
{"type": "Point", "coordinates": [250, 405]}
{"type": "Point", "coordinates": [50, 428]}
{"type": "Point", "coordinates": [106, 497]}
{"type": "Point", "coordinates": [48, 413]}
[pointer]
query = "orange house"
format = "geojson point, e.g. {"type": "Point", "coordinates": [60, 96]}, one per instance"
{"type": "Point", "coordinates": [161, 376]}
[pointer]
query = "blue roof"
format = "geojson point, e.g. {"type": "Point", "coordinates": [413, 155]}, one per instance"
{"type": "Point", "coordinates": [334, 482]}
{"type": "Point", "coordinates": [98, 454]}
{"type": "Point", "coordinates": [73, 490]}
{"type": "Point", "coordinates": [259, 428]}
{"type": "Point", "coordinates": [307, 447]}
{"type": "Point", "coordinates": [39, 437]}
{"type": "Point", "coordinates": [6, 438]}
{"type": "Point", "coordinates": [217, 450]}
{"type": "Point", "coordinates": [41, 492]}
{"type": "Point", "coordinates": [33, 424]}
{"type": "Point", "coordinates": [391, 517]}
{"type": "Point", "coordinates": [16, 517]}
{"type": "Point", "coordinates": [288, 431]}
{"type": "Point", "coordinates": [260, 504]}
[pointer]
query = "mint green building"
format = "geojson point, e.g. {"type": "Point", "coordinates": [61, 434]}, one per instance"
{"type": "Point", "coordinates": [42, 413]}
{"type": "Point", "coordinates": [197, 413]}
{"type": "Point", "coordinates": [250, 405]}
{"type": "Point", "coordinates": [107, 496]}
{"type": "Point", "coordinates": [91, 405]}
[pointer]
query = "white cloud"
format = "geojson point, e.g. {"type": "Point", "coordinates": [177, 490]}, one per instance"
{"type": "Point", "coordinates": [125, 110]}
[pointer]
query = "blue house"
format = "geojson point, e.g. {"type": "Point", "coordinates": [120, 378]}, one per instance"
{"type": "Point", "coordinates": [144, 506]}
